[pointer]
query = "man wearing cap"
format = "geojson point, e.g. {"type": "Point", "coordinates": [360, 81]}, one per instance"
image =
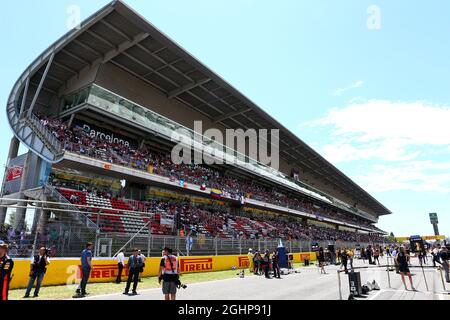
{"type": "Point", "coordinates": [6, 267]}
{"type": "Point", "coordinates": [86, 266]}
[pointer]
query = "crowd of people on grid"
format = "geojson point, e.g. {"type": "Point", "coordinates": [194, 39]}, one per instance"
{"type": "Point", "coordinates": [265, 263]}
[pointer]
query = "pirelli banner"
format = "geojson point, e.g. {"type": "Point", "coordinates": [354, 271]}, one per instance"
{"type": "Point", "coordinates": [68, 271]}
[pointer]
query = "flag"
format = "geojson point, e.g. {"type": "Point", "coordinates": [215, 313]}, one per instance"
{"type": "Point", "coordinates": [216, 193]}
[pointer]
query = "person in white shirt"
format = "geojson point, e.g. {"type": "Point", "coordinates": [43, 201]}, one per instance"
{"type": "Point", "coordinates": [143, 264]}
{"type": "Point", "coordinates": [120, 265]}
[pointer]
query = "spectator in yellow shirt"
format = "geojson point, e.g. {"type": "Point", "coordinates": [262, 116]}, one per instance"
{"type": "Point", "coordinates": [250, 260]}
{"type": "Point", "coordinates": [350, 254]}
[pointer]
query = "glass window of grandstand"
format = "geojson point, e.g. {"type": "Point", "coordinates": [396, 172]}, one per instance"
{"type": "Point", "coordinates": [76, 99]}
{"type": "Point", "coordinates": [127, 109]}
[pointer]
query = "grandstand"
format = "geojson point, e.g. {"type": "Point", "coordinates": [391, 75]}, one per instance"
{"type": "Point", "coordinates": [97, 110]}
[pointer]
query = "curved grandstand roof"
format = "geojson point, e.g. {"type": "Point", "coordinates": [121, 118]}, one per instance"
{"type": "Point", "coordinates": [119, 35]}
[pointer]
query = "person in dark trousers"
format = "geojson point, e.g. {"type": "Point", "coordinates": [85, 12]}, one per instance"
{"type": "Point", "coordinates": [38, 268]}
{"type": "Point", "coordinates": [421, 258]}
{"type": "Point", "coordinates": [369, 253]}
{"type": "Point", "coordinates": [388, 251]}
{"type": "Point", "coordinates": [143, 257]}
{"type": "Point", "coordinates": [120, 265]}
{"type": "Point", "coordinates": [424, 255]}
{"type": "Point", "coordinates": [376, 256]}
{"type": "Point", "coordinates": [266, 262]}
{"type": "Point", "coordinates": [403, 263]}
{"type": "Point", "coordinates": [363, 254]}
{"type": "Point", "coordinates": [86, 267]}
{"type": "Point", "coordinates": [6, 268]}
{"type": "Point", "coordinates": [444, 256]}
{"type": "Point", "coordinates": [435, 254]}
{"type": "Point", "coordinates": [275, 265]}
{"type": "Point", "coordinates": [344, 260]}
{"type": "Point", "coordinates": [134, 267]}
{"type": "Point", "coordinates": [321, 260]}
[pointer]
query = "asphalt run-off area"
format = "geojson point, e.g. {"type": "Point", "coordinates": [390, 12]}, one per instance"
{"type": "Point", "coordinates": [309, 284]}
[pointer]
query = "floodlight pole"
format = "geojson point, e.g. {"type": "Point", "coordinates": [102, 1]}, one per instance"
{"type": "Point", "coordinates": [424, 277]}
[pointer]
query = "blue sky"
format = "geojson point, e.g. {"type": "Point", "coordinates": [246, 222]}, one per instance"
{"type": "Point", "coordinates": [366, 83]}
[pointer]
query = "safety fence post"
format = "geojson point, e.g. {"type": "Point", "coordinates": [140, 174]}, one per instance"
{"type": "Point", "coordinates": [215, 245]}
{"type": "Point", "coordinates": [339, 284]}
{"type": "Point", "coordinates": [148, 241]}
{"type": "Point", "coordinates": [442, 278]}
{"type": "Point", "coordinates": [424, 277]}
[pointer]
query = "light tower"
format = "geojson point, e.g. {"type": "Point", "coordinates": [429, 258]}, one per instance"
{"type": "Point", "coordinates": [434, 221]}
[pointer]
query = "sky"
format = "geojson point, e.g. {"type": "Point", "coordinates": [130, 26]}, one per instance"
{"type": "Point", "coordinates": [365, 83]}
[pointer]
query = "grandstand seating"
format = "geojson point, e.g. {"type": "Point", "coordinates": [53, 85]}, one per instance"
{"type": "Point", "coordinates": [122, 216]}
{"type": "Point", "coordinates": [76, 140]}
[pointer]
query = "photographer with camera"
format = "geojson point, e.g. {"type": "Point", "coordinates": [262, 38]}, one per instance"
{"type": "Point", "coordinates": [38, 268]}
{"type": "Point", "coordinates": [168, 274]}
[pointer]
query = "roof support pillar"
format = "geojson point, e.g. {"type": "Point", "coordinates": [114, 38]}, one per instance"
{"type": "Point", "coordinates": [36, 95]}
{"type": "Point", "coordinates": [24, 97]}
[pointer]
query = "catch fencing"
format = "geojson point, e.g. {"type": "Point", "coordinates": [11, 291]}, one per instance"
{"type": "Point", "coordinates": [64, 228]}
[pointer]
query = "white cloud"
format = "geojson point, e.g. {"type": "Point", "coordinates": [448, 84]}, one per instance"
{"type": "Point", "coordinates": [418, 176]}
{"type": "Point", "coordinates": [355, 85]}
{"type": "Point", "coordinates": [384, 129]}
{"type": "Point", "coordinates": [397, 141]}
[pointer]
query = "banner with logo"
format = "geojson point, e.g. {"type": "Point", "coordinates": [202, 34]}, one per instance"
{"type": "Point", "coordinates": [13, 174]}
{"type": "Point", "coordinates": [100, 133]}
{"type": "Point", "coordinates": [68, 271]}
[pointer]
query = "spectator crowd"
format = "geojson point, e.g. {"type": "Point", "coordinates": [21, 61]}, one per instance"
{"type": "Point", "coordinates": [76, 139]}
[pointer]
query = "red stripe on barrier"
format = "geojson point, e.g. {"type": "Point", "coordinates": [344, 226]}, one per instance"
{"type": "Point", "coordinates": [5, 286]}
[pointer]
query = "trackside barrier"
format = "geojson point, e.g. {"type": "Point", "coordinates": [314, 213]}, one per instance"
{"type": "Point", "coordinates": [67, 270]}
{"type": "Point", "coordinates": [388, 269]}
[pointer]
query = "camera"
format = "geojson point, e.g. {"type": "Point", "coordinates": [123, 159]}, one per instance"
{"type": "Point", "coordinates": [181, 286]}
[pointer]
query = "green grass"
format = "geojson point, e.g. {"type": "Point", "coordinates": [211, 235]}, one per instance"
{"type": "Point", "coordinates": [67, 291]}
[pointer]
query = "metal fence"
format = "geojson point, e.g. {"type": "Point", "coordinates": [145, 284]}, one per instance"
{"type": "Point", "coordinates": [54, 226]}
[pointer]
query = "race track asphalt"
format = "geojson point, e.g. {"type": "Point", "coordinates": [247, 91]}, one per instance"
{"type": "Point", "coordinates": [309, 284]}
